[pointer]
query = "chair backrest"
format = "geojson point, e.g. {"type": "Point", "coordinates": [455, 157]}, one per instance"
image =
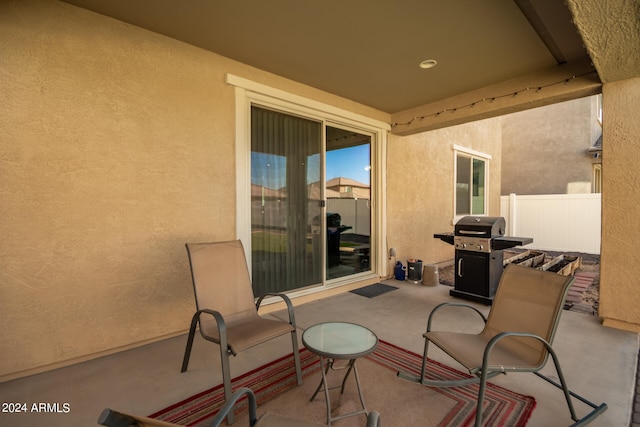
{"type": "Point", "coordinates": [221, 280]}
{"type": "Point", "coordinates": [531, 301]}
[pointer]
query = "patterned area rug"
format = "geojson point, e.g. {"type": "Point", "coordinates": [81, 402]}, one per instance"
{"type": "Point", "coordinates": [399, 402]}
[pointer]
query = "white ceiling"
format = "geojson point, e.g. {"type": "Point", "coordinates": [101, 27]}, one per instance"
{"type": "Point", "coordinates": [369, 50]}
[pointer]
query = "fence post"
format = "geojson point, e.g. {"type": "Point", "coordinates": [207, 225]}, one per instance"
{"type": "Point", "coordinates": [512, 215]}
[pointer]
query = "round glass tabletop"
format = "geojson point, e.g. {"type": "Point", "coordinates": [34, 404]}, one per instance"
{"type": "Point", "coordinates": [339, 340]}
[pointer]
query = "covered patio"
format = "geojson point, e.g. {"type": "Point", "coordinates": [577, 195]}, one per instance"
{"type": "Point", "coordinates": [599, 363]}
{"type": "Point", "coordinates": [121, 143]}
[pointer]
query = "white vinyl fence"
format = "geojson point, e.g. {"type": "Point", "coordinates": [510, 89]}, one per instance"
{"type": "Point", "coordinates": [353, 212]}
{"type": "Point", "coordinates": [556, 222]}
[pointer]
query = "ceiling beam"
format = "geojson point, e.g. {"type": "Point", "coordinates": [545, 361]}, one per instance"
{"type": "Point", "coordinates": [541, 29]}
{"type": "Point", "coordinates": [557, 84]}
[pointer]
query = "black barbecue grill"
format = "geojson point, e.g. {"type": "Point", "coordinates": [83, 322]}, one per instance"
{"type": "Point", "coordinates": [479, 242]}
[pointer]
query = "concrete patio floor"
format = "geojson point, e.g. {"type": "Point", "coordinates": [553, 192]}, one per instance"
{"type": "Point", "coordinates": [599, 363]}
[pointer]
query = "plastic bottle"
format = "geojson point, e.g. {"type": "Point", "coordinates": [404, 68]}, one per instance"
{"type": "Point", "coordinates": [400, 271]}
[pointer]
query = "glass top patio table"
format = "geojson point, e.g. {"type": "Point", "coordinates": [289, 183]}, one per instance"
{"type": "Point", "coordinates": [340, 340]}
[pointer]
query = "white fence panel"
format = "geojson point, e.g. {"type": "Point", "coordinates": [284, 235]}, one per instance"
{"type": "Point", "coordinates": [556, 222]}
{"type": "Point", "coordinates": [353, 212]}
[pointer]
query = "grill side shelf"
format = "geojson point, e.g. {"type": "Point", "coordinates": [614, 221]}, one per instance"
{"type": "Point", "coordinates": [507, 242]}
{"type": "Point", "coordinates": [445, 237]}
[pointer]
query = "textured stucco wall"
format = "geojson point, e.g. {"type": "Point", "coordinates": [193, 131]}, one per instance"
{"type": "Point", "coordinates": [544, 150]}
{"type": "Point", "coordinates": [420, 186]}
{"type": "Point", "coordinates": [115, 151]}
{"type": "Point", "coordinates": [116, 147]}
{"type": "Point", "coordinates": [620, 270]}
{"type": "Point", "coordinates": [610, 31]}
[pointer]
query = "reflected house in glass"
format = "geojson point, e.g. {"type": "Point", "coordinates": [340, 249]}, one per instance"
{"type": "Point", "coordinates": [347, 187]}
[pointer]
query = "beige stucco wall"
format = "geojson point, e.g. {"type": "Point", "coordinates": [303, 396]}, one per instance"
{"type": "Point", "coordinates": [620, 271]}
{"type": "Point", "coordinates": [544, 150]}
{"type": "Point", "coordinates": [420, 186]}
{"type": "Point", "coordinates": [117, 147]}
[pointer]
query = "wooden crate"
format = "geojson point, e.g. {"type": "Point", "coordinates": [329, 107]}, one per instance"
{"type": "Point", "coordinates": [565, 265]}
{"type": "Point", "coordinates": [526, 259]}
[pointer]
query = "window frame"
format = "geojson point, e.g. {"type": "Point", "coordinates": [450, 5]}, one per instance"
{"type": "Point", "coordinates": [248, 93]}
{"type": "Point", "coordinates": [596, 180]}
{"type": "Point", "coordinates": [473, 155]}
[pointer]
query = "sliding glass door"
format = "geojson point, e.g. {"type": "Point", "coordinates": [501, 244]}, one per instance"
{"type": "Point", "coordinates": [285, 201]}
{"type": "Point", "coordinates": [348, 194]}
{"type": "Point", "coordinates": [308, 226]}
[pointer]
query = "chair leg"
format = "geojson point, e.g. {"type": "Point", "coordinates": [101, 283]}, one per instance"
{"type": "Point", "coordinates": [187, 350]}
{"type": "Point", "coordinates": [596, 409]}
{"type": "Point", "coordinates": [563, 382]}
{"type": "Point", "coordinates": [423, 369]}
{"type": "Point", "coordinates": [296, 356]}
{"type": "Point", "coordinates": [226, 380]}
{"type": "Point", "coordinates": [481, 390]}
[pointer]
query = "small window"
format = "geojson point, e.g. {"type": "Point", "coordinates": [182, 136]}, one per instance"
{"type": "Point", "coordinates": [470, 184]}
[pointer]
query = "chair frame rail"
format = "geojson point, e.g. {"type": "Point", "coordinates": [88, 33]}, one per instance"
{"type": "Point", "coordinates": [484, 373]}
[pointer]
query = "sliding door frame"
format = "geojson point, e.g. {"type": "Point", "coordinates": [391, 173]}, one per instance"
{"type": "Point", "coordinates": [248, 93]}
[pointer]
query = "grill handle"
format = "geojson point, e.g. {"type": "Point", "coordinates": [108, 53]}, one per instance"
{"type": "Point", "coordinates": [478, 233]}
{"type": "Point", "coordinates": [460, 267]}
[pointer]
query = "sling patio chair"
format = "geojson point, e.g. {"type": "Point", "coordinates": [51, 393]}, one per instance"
{"type": "Point", "coordinates": [227, 312]}
{"type": "Point", "coordinates": [517, 336]}
{"type": "Point", "coordinates": [111, 418]}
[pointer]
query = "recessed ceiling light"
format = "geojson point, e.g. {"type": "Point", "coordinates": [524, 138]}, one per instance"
{"type": "Point", "coordinates": [428, 63]}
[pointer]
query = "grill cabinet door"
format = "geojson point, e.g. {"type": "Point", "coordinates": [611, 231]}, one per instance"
{"type": "Point", "coordinates": [478, 273]}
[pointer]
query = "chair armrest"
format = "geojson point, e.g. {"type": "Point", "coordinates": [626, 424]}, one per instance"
{"type": "Point", "coordinates": [494, 341]}
{"type": "Point", "coordinates": [111, 418]}
{"type": "Point", "coordinates": [373, 419]}
{"type": "Point", "coordinates": [286, 299]}
{"type": "Point", "coordinates": [453, 304]}
{"type": "Point", "coordinates": [228, 407]}
{"type": "Point", "coordinates": [222, 334]}
{"type": "Point", "coordinates": [220, 324]}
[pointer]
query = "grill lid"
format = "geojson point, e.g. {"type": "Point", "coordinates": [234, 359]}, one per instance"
{"type": "Point", "coordinates": [480, 226]}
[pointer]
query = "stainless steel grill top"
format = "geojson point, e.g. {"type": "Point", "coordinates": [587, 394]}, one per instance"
{"type": "Point", "coordinates": [480, 226]}
{"type": "Point", "coordinates": [481, 234]}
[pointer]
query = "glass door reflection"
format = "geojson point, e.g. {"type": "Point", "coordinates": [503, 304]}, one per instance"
{"type": "Point", "coordinates": [348, 195]}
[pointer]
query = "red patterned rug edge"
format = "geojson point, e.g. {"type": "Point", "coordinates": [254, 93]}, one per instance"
{"type": "Point", "coordinates": [268, 380]}
{"type": "Point", "coordinates": [310, 364]}
{"type": "Point", "coordinates": [412, 361]}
